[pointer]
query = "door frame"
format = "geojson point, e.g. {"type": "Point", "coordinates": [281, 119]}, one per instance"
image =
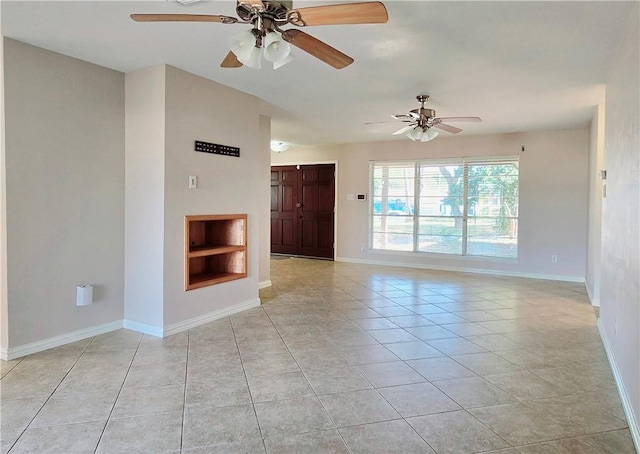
{"type": "Point", "coordinates": [335, 196]}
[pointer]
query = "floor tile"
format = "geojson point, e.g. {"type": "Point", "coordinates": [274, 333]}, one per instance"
{"type": "Point", "coordinates": [326, 441]}
{"type": "Point", "coordinates": [384, 437]}
{"type": "Point", "coordinates": [468, 329]}
{"type": "Point", "coordinates": [433, 332]}
{"type": "Point", "coordinates": [358, 407]}
{"type": "Point", "coordinates": [575, 415]}
{"type": "Point", "coordinates": [16, 414]}
{"type": "Point", "coordinates": [241, 445]}
{"type": "Point", "coordinates": [519, 424]}
{"type": "Point", "coordinates": [157, 433]}
{"type": "Point", "coordinates": [75, 408]}
{"type": "Point", "coordinates": [368, 354]}
{"type": "Point", "coordinates": [413, 350]}
{"type": "Point", "coordinates": [390, 374]}
{"type": "Point", "coordinates": [473, 392]}
{"type": "Point", "coordinates": [374, 323]}
{"type": "Point", "coordinates": [155, 355]}
{"type": "Point", "coordinates": [337, 380]}
{"type": "Point", "coordinates": [565, 446]}
{"type": "Point", "coordinates": [319, 358]}
{"type": "Point", "coordinates": [440, 368]}
{"type": "Point", "coordinates": [525, 385]}
{"type": "Point", "coordinates": [486, 363]}
{"type": "Point", "coordinates": [292, 417]}
{"type": "Point", "coordinates": [614, 442]}
{"type": "Point", "coordinates": [270, 364]}
{"type": "Point", "coordinates": [76, 438]}
{"type": "Point", "coordinates": [410, 321]}
{"type": "Point", "coordinates": [456, 346]}
{"type": "Point", "coordinates": [207, 426]}
{"type": "Point", "coordinates": [418, 399]}
{"type": "Point", "coordinates": [158, 374]}
{"type": "Point", "coordinates": [389, 336]}
{"type": "Point", "coordinates": [290, 385]}
{"type": "Point", "coordinates": [456, 432]}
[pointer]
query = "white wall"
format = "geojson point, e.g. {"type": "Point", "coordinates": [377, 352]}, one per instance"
{"type": "Point", "coordinates": [553, 198]}
{"type": "Point", "coordinates": [144, 191]}
{"type": "Point", "coordinates": [594, 226]}
{"type": "Point", "coordinates": [4, 306]}
{"type": "Point", "coordinates": [199, 109]}
{"type": "Point", "coordinates": [620, 293]}
{"type": "Point", "coordinates": [264, 194]}
{"type": "Point", "coordinates": [64, 136]}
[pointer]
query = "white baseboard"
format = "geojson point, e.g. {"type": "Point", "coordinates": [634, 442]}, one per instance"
{"type": "Point", "coordinates": [264, 284]}
{"type": "Point", "coordinates": [632, 420]}
{"type": "Point", "coordinates": [594, 301]}
{"type": "Point", "coordinates": [211, 316]}
{"type": "Point", "coordinates": [142, 328]}
{"type": "Point", "coordinates": [459, 269]}
{"type": "Point", "coordinates": [45, 344]}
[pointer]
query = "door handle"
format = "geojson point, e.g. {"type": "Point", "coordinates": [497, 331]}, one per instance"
{"type": "Point", "coordinates": [298, 205]}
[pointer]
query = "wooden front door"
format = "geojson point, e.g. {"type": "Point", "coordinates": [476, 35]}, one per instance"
{"type": "Point", "coordinates": [302, 210]}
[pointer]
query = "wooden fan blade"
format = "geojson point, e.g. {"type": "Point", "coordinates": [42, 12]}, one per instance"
{"type": "Point", "coordinates": [178, 18]}
{"type": "Point", "coordinates": [448, 128]}
{"type": "Point", "coordinates": [470, 119]}
{"type": "Point", "coordinates": [403, 130]}
{"type": "Point", "coordinates": [350, 13]}
{"type": "Point", "coordinates": [317, 48]}
{"type": "Point", "coordinates": [230, 61]}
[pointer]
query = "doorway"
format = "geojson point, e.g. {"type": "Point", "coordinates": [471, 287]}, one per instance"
{"type": "Point", "coordinates": [302, 210]}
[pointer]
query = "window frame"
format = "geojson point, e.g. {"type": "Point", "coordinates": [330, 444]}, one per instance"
{"type": "Point", "coordinates": [415, 216]}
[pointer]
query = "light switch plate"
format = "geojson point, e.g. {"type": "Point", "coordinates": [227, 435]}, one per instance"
{"type": "Point", "coordinates": [193, 182]}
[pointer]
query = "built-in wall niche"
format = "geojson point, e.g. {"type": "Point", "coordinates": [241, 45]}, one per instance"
{"type": "Point", "coordinates": [215, 249]}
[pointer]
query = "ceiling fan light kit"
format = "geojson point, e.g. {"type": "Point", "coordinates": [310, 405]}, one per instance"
{"type": "Point", "coordinates": [269, 39]}
{"type": "Point", "coordinates": [422, 135]}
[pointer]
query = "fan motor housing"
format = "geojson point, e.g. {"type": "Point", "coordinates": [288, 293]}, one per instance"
{"type": "Point", "coordinates": [272, 9]}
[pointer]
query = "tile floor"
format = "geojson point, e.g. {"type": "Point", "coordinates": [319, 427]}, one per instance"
{"type": "Point", "coordinates": [339, 358]}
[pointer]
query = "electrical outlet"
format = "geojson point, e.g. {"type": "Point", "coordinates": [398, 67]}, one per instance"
{"type": "Point", "coordinates": [362, 247]}
{"type": "Point", "coordinates": [554, 258]}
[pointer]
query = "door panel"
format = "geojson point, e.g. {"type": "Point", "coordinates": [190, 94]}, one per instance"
{"type": "Point", "coordinates": [302, 210]}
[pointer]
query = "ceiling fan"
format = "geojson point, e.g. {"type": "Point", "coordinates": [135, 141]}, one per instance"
{"type": "Point", "coordinates": [423, 119]}
{"type": "Point", "coordinates": [268, 16]}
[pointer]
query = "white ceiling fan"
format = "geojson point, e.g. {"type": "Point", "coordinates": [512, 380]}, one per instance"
{"type": "Point", "coordinates": [421, 120]}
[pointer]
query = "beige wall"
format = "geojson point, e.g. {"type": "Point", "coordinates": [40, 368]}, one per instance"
{"type": "Point", "coordinates": [553, 198]}
{"type": "Point", "coordinates": [65, 192]}
{"type": "Point", "coordinates": [199, 109]}
{"type": "Point", "coordinates": [620, 293]}
{"type": "Point", "coordinates": [4, 306]}
{"type": "Point", "coordinates": [594, 226]}
{"type": "Point", "coordinates": [144, 195]}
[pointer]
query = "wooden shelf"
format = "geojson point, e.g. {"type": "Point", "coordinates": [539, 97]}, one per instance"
{"type": "Point", "coordinates": [205, 250]}
{"type": "Point", "coordinates": [215, 249]}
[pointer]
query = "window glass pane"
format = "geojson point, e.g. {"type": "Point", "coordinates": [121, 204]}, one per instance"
{"type": "Point", "coordinates": [491, 237]}
{"type": "Point", "coordinates": [393, 188]}
{"type": "Point", "coordinates": [492, 197]}
{"type": "Point", "coordinates": [442, 235]}
{"type": "Point", "coordinates": [441, 190]}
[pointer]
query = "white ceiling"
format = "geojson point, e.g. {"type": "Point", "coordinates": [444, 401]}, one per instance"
{"type": "Point", "coordinates": [519, 65]}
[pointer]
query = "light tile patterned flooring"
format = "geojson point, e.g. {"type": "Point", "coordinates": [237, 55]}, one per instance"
{"type": "Point", "coordinates": [340, 358]}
